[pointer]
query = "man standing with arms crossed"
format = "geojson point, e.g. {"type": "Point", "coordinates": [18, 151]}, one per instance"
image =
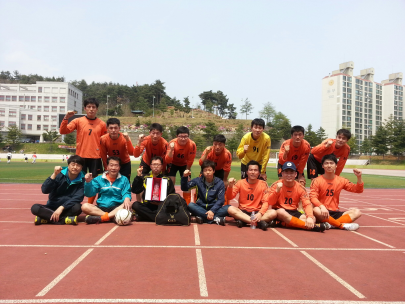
{"type": "Point", "coordinates": [255, 146]}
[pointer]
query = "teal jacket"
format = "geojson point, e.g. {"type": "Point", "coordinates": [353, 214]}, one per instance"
{"type": "Point", "coordinates": [109, 195]}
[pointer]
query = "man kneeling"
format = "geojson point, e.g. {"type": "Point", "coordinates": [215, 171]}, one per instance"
{"type": "Point", "coordinates": [114, 193]}
{"type": "Point", "coordinates": [155, 189]}
{"type": "Point", "coordinates": [66, 191]}
{"type": "Point", "coordinates": [209, 206]}
{"type": "Point", "coordinates": [252, 198]}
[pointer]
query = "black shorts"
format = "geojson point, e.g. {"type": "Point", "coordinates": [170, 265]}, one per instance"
{"type": "Point", "coordinates": [8, 157]}
{"type": "Point", "coordinates": [335, 214]}
{"type": "Point", "coordinates": [126, 170]}
{"type": "Point", "coordinates": [106, 209]}
{"type": "Point", "coordinates": [294, 213]}
{"type": "Point", "coordinates": [145, 168]}
{"type": "Point", "coordinates": [279, 167]}
{"type": "Point", "coordinates": [243, 171]}
{"type": "Point", "coordinates": [314, 168]}
{"type": "Point", "coordinates": [93, 166]}
{"type": "Point", "coordinates": [172, 170]}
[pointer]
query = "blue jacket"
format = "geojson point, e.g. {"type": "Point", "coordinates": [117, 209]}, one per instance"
{"type": "Point", "coordinates": [109, 195]}
{"type": "Point", "coordinates": [62, 191]}
{"type": "Point", "coordinates": [211, 198]}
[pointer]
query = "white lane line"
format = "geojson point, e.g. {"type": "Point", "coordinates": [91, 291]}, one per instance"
{"type": "Point", "coordinates": [196, 235]}
{"type": "Point", "coordinates": [17, 222]}
{"type": "Point", "coordinates": [377, 205]}
{"type": "Point", "coordinates": [333, 275]}
{"type": "Point", "coordinates": [106, 235]}
{"type": "Point", "coordinates": [377, 241]}
{"type": "Point", "coordinates": [382, 226]}
{"type": "Point", "coordinates": [380, 218]}
{"type": "Point", "coordinates": [284, 237]}
{"type": "Point", "coordinates": [63, 274]}
{"type": "Point", "coordinates": [201, 274]}
{"type": "Point", "coordinates": [16, 208]}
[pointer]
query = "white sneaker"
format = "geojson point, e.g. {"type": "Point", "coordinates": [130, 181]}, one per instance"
{"type": "Point", "coordinates": [327, 226]}
{"type": "Point", "coordinates": [351, 226]}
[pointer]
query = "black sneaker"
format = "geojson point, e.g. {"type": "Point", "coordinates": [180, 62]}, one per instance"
{"type": "Point", "coordinates": [263, 225]}
{"type": "Point", "coordinates": [239, 223]}
{"type": "Point", "coordinates": [319, 227]}
{"type": "Point", "coordinates": [39, 221]}
{"type": "Point", "coordinates": [220, 221]}
{"type": "Point", "coordinates": [71, 220]}
{"type": "Point", "coordinates": [199, 220]}
{"type": "Point", "coordinates": [274, 223]}
{"type": "Point", "coordinates": [93, 219]}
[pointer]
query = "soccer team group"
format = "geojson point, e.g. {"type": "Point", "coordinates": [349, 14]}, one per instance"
{"type": "Point", "coordinates": [284, 203]}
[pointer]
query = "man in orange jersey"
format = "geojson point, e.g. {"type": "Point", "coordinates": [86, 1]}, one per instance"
{"type": "Point", "coordinates": [285, 195]}
{"type": "Point", "coordinates": [252, 198]}
{"type": "Point", "coordinates": [337, 146]}
{"type": "Point", "coordinates": [118, 144]}
{"type": "Point", "coordinates": [153, 144]}
{"type": "Point", "coordinates": [324, 195]}
{"type": "Point", "coordinates": [220, 156]}
{"type": "Point", "coordinates": [181, 154]}
{"type": "Point", "coordinates": [89, 130]}
{"type": "Point", "coordinates": [295, 150]}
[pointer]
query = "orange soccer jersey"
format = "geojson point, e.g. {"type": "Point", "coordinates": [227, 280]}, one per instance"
{"type": "Point", "coordinates": [222, 161]}
{"type": "Point", "coordinates": [289, 197]}
{"type": "Point", "coordinates": [115, 147]}
{"type": "Point", "coordinates": [342, 153]}
{"type": "Point", "coordinates": [182, 155]}
{"type": "Point", "coordinates": [298, 156]}
{"type": "Point", "coordinates": [88, 135]}
{"type": "Point", "coordinates": [252, 197]}
{"type": "Point", "coordinates": [151, 150]}
{"type": "Point", "coordinates": [326, 191]}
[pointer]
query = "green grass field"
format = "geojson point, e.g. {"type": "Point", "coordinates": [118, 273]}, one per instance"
{"type": "Point", "coordinates": [21, 172]}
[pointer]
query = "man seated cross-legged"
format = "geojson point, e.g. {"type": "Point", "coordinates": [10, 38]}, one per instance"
{"type": "Point", "coordinates": [155, 188]}
{"type": "Point", "coordinates": [252, 198]}
{"type": "Point", "coordinates": [209, 206]}
{"type": "Point", "coordinates": [285, 195]}
{"type": "Point", "coordinates": [325, 192]}
{"type": "Point", "coordinates": [114, 193]}
{"type": "Point", "coordinates": [66, 191]}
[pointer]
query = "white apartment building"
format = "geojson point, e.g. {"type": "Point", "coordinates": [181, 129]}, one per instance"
{"type": "Point", "coordinates": [34, 108]}
{"type": "Point", "coordinates": [359, 103]}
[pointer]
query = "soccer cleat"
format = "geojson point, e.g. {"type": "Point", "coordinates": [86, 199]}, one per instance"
{"type": "Point", "coordinates": [220, 221]}
{"type": "Point", "coordinates": [263, 225]}
{"type": "Point", "coordinates": [351, 226]}
{"type": "Point", "coordinates": [327, 226]}
{"type": "Point", "coordinates": [239, 223]}
{"type": "Point", "coordinates": [274, 223]}
{"type": "Point", "coordinates": [71, 220]}
{"type": "Point", "coordinates": [319, 227]}
{"type": "Point", "coordinates": [93, 219]}
{"type": "Point", "coordinates": [199, 220]}
{"type": "Point", "coordinates": [39, 221]}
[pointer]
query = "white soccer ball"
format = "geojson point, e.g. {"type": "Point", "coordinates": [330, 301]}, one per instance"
{"type": "Point", "coordinates": [123, 217]}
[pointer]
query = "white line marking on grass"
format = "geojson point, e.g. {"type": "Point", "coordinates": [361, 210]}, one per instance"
{"type": "Point", "coordinates": [106, 235]}
{"type": "Point", "coordinates": [196, 235]}
{"type": "Point", "coordinates": [377, 241]}
{"type": "Point", "coordinates": [333, 275]}
{"type": "Point", "coordinates": [63, 274]}
{"type": "Point", "coordinates": [201, 274]}
{"type": "Point", "coordinates": [284, 237]}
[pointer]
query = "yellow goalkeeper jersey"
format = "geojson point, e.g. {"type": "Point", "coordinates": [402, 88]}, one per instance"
{"type": "Point", "coordinates": [259, 150]}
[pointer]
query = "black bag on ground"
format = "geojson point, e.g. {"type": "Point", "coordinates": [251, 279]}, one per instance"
{"type": "Point", "coordinates": [173, 211]}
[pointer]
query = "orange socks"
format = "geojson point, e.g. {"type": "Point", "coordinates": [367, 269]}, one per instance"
{"type": "Point", "coordinates": [296, 223]}
{"type": "Point", "coordinates": [334, 222]}
{"type": "Point", "coordinates": [90, 200]}
{"type": "Point", "coordinates": [187, 197]}
{"type": "Point", "coordinates": [345, 218]}
{"type": "Point", "coordinates": [105, 217]}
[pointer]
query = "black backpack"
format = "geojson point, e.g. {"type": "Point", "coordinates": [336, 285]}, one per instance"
{"type": "Point", "coordinates": [173, 211]}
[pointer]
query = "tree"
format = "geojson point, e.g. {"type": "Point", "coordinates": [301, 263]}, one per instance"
{"type": "Point", "coordinates": [1, 138]}
{"type": "Point", "coordinates": [51, 136]}
{"type": "Point", "coordinates": [366, 147]}
{"type": "Point", "coordinates": [70, 138]}
{"type": "Point", "coordinates": [311, 137]}
{"type": "Point", "coordinates": [354, 149]}
{"type": "Point", "coordinates": [280, 127]}
{"type": "Point", "coordinates": [163, 105]}
{"type": "Point", "coordinates": [321, 135]}
{"type": "Point", "coordinates": [210, 131]}
{"type": "Point", "coordinates": [232, 111]}
{"type": "Point", "coordinates": [268, 112]}
{"type": "Point", "coordinates": [14, 134]}
{"type": "Point", "coordinates": [246, 108]}
{"type": "Point", "coordinates": [186, 102]}
{"type": "Point", "coordinates": [396, 135]}
{"type": "Point", "coordinates": [233, 143]}
{"type": "Point", "coordinates": [380, 141]}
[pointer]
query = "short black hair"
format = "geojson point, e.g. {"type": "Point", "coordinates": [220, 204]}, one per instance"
{"type": "Point", "coordinates": [75, 159]}
{"type": "Point", "coordinates": [156, 126]}
{"type": "Point", "coordinates": [91, 101]}
{"type": "Point", "coordinates": [252, 163]}
{"type": "Point", "coordinates": [116, 158]}
{"type": "Point", "coordinates": [113, 121]}
{"type": "Point", "coordinates": [182, 129]}
{"type": "Point", "coordinates": [346, 133]}
{"type": "Point", "coordinates": [208, 163]}
{"type": "Point", "coordinates": [157, 158]}
{"type": "Point", "coordinates": [297, 129]}
{"type": "Point", "coordinates": [220, 138]}
{"type": "Point", "coordinates": [329, 157]}
{"type": "Point", "coordinates": [258, 122]}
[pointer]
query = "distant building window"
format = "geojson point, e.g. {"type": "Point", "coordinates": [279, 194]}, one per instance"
{"type": "Point", "coordinates": [2, 124]}
{"type": "Point", "coordinates": [46, 117]}
{"type": "Point", "coordinates": [53, 118]}
{"type": "Point", "coordinates": [39, 117]}
{"type": "Point", "coordinates": [54, 109]}
{"type": "Point", "coordinates": [62, 109]}
{"type": "Point", "coordinates": [29, 117]}
{"type": "Point", "coordinates": [8, 98]}
{"type": "Point", "coordinates": [12, 113]}
{"type": "Point", "coordinates": [12, 124]}
{"type": "Point", "coordinates": [2, 112]}
{"type": "Point", "coordinates": [21, 98]}
{"type": "Point", "coordinates": [75, 102]}
{"type": "Point", "coordinates": [54, 99]}
{"type": "Point", "coordinates": [46, 127]}
{"type": "Point", "coordinates": [39, 108]}
{"type": "Point", "coordinates": [29, 127]}
{"type": "Point", "coordinates": [33, 99]}
{"type": "Point", "coordinates": [46, 98]}
{"type": "Point", "coordinates": [38, 127]}
{"type": "Point", "coordinates": [1, 97]}
{"type": "Point", "coordinates": [55, 90]}
{"type": "Point", "coordinates": [47, 90]}
{"type": "Point", "coordinates": [39, 89]}
{"type": "Point", "coordinates": [53, 127]}
{"type": "Point", "coordinates": [46, 108]}
{"type": "Point", "coordinates": [23, 116]}
{"type": "Point", "coordinates": [27, 98]}
{"type": "Point", "coordinates": [62, 99]}
{"type": "Point", "coordinates": [32, 107]}
{"type": "Point", "coordinates": [14, 98]}
{"type": "Point", "coordinates": [22, 126]}
{"type": "Point", "coordinates": [39, 98]}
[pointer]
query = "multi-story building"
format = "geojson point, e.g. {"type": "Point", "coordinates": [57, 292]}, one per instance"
{"type": "Point", "coordinates": [359, 103]}
{"type": "Point", "coordinates": [34, 108]}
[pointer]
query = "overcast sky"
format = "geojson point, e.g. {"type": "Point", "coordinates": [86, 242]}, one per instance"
{"type": "Point", "coordinates": [267, 51]}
